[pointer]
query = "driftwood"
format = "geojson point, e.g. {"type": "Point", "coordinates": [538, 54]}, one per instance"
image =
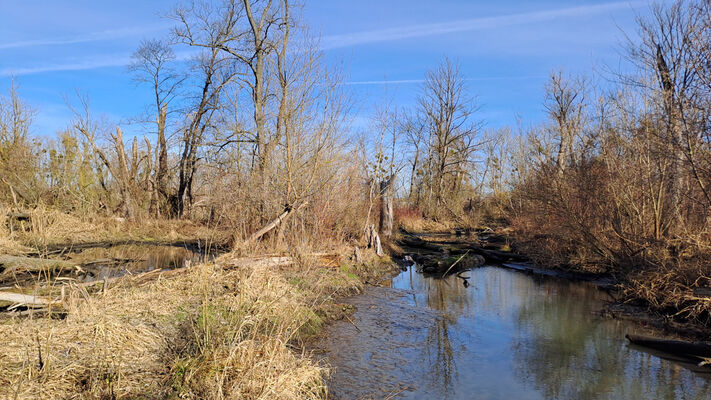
{"type": "Point", "coordinates": [25, 299]}
{"type": "Point", "coordinates": [288, 210]}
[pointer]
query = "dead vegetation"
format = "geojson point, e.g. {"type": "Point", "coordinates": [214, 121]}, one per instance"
{"type": "Point", "coordinates": [616, 181]}
{"type": "Point", "coordinates": [211, 331]}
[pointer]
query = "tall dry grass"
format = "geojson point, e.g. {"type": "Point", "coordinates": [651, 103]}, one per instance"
{"type": "Point", "coordinates": [49, 226]}
{"type": "Point", "coordinates": [203, 333]}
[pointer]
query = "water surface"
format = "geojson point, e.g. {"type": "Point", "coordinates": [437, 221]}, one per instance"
{"type": "Point", "coordinates": [507, 336]}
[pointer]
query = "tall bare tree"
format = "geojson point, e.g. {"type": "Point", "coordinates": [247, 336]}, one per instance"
{"type": "Point", "coordinates": [153, 64]}
{"type": "Point", "coordinates": [452, 133]}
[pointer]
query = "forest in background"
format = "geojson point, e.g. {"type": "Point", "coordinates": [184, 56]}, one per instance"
{"type": "Point", "coordinates": [258, 125]}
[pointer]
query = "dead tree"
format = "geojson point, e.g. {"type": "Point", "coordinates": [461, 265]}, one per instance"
{"type": "Point", "coordinates": [387, 192]}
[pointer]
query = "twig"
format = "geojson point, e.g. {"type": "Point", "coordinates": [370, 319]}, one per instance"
{"type": "Point", "coordinates": [455, 263]}
{"type": "Point", "coordinates": [352, 323]}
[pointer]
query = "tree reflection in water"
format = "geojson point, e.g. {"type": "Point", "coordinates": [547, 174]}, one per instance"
{"type": "Point", "coordinates": [569, 357]}
{"type": "Point", "coordinates": [508, 335]}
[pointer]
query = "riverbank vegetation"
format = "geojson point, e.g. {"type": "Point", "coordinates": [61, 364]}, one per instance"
{"type": "Point", "coordinates": [617, 181]}
{"type": "Point", "coordinates": [249, 147]}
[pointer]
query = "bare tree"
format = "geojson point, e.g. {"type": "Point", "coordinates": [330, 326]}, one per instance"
{"type": "Point", "coordinates": [669, 51]}
{"type": "Point", "coordinates": [564, 102]}
{"type": "Point", "coordinates": [152, 64]}
{"type": "Point", "coordinates": [452, 139]}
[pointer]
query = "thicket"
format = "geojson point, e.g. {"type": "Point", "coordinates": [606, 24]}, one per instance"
{"type": "Point", "coordinates": [252, 124]}
{"type": "Point", "coordinates": [618, 179]}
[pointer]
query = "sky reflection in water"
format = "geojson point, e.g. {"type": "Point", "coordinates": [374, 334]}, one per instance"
{"type": "Point", "coordinates": [508, 335]}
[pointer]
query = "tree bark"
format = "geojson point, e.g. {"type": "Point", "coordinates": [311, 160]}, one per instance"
{"type": "Point", "coordinates": [162, 170]}
{"type": "Point", "coordinates": [387, 193]}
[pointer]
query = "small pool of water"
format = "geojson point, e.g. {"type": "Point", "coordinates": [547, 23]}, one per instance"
{"type": "Point", "coordinates": [120, 260]}
{"type": "Point", "coordinates": [508, 335]}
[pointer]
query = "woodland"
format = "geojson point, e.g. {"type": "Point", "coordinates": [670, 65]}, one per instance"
{"type": "Point", "coordinates": [249, 148]}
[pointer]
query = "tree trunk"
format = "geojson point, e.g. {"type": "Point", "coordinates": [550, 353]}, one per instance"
{"type": "Point", "coordinates": [387, 193]}
{"type": "Point", "coordinates": [162, 170]}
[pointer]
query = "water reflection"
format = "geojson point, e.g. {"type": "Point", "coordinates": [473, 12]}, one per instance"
{"type": "Point", "coordinates": [508, 335]}
{"type": "Point", "coordinates": [100, 263]}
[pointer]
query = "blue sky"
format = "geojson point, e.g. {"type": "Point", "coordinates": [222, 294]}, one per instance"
{"type": "Point", "coordinates": [506, 49]}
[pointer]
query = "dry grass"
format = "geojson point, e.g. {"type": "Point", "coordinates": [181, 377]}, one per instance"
{"type": "Point", "coordinates": [412, 221]}
{"type": "Point", "coordinates": [50, 227]}
{"type": "Point", "coordinates": [205, 333]}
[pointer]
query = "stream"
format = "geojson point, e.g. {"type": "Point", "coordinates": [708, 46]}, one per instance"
{"type": "Point", "coordinates": [508, 335]}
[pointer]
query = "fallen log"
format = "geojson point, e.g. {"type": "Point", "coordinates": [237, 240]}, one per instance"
{"type": "Point", "coordinates": [420, 244]}
{"type": "Point", "coordinates": [497, 255]}
{"type": "Point", "coordinates": [698, 352]}
{"type": "Point", "coordinates": [25, 299]}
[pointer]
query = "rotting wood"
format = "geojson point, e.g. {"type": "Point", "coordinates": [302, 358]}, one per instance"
{"type": "Point", "coordinates": [373, 240]}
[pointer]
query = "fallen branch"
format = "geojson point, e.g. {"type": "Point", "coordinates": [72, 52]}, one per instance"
{"type": "Point", "coordinates": [455, 263]}
{"type": "Point", "coordinates": [25, 299]}
{"type": "Point", "coordinates": [288, 210]}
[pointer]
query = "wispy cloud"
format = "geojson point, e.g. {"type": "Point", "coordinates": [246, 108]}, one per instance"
{"type": "Point", "coordinates": [423, 30]}
{"type": "Point", "coordinates": [85, 64]}
{"type": "Point", "coordinates": [105, 61]}
{"type": "Point", "coordinates": [112, 34]}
